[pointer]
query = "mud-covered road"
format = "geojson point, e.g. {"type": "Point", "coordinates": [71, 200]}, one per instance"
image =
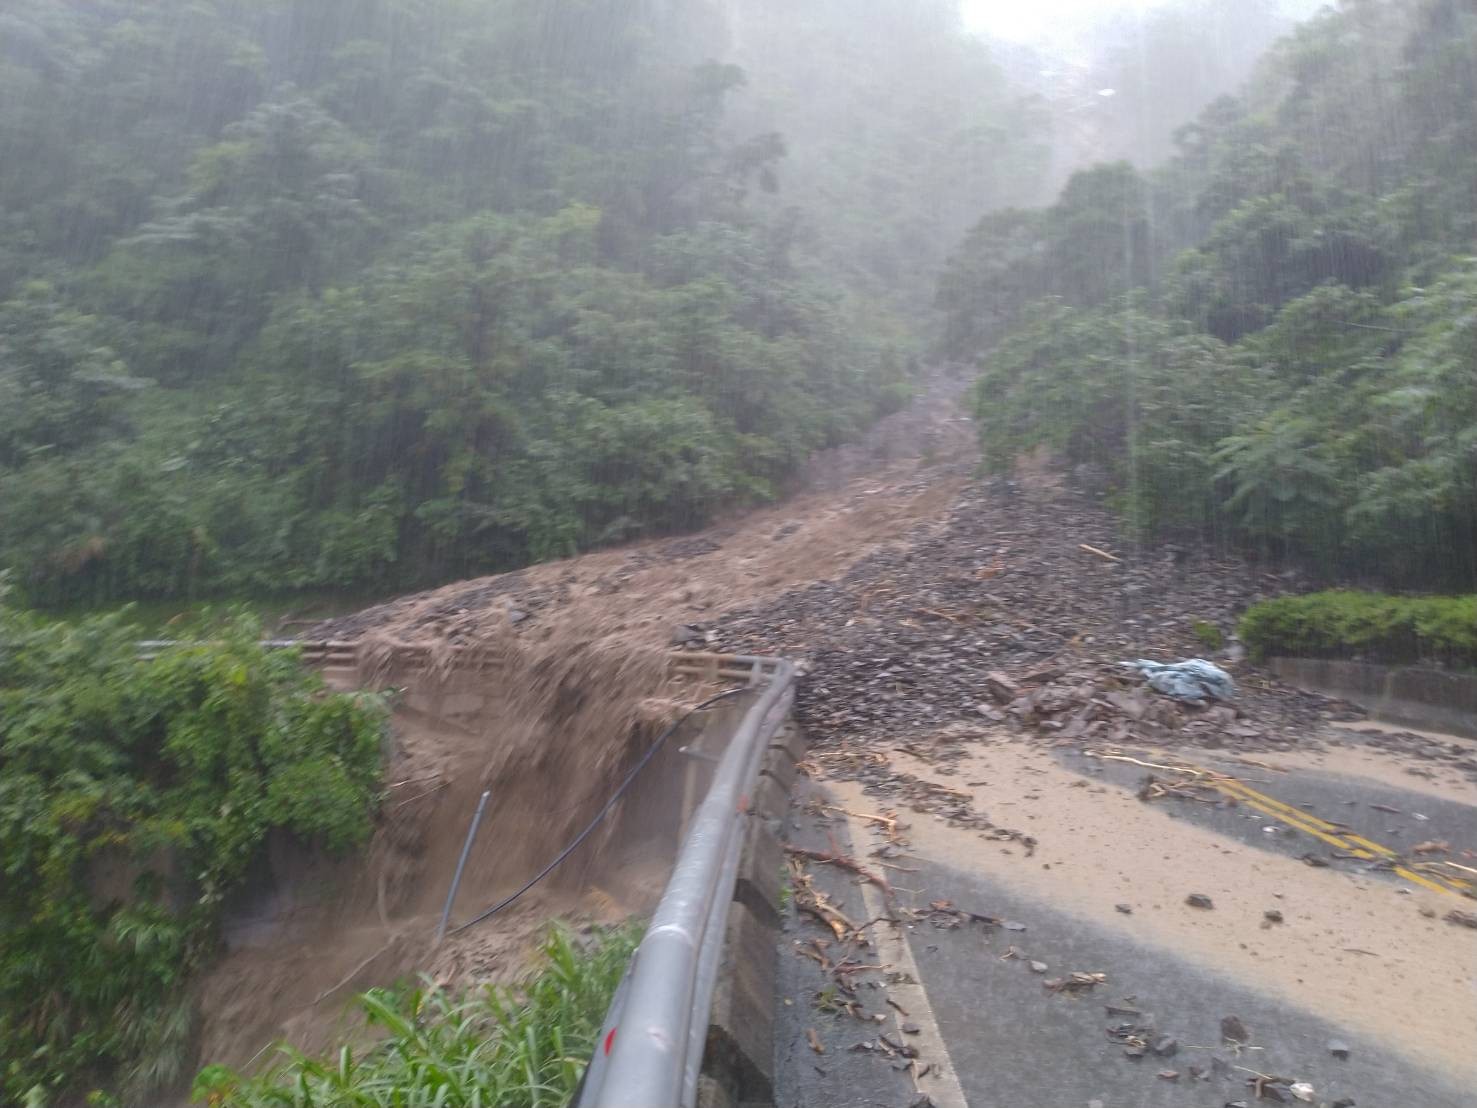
{"type": "Point", "coordinates": [1345, 975]}
{"type": "Point", "coordinates": [977, 744]}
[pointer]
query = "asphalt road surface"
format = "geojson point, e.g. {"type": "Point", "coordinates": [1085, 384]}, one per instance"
{"type": "Point", "coordinates": [1361, 993]}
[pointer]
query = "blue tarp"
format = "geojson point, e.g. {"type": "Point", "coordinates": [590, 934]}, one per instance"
{"type": "Point", "coordinates": [1195, 679]}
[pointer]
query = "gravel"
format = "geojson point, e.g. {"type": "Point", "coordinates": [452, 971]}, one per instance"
{"type": "Point", "coordinates": [1000, 616]}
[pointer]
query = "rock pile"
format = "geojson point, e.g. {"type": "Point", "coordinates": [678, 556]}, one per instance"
{"type": "Point", "coordinates": [1018, 611]}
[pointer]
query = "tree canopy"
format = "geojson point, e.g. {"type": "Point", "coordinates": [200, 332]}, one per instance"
{"type": "Point", "coordinates": [1270, 337]}
{"type": "Point", "coordinates": [134, 797]}
{"type": "Point", "coordinates": [369, 293]}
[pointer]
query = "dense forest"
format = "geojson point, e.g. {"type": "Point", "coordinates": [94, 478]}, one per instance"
{"type": "Point", "coordinates": [360, 294]}
{"type": "Point", "coordinates": [1271, 337]}
{"type": "Point", "coordinates": [370, 294]}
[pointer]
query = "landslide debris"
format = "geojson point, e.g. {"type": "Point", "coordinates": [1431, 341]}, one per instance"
{"type": "Point", "coordinates": [1010, 614]}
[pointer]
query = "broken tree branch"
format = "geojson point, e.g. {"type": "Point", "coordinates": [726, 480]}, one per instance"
{"type": "Point", "coordinates": [1099, 553]}
{"type": "Point", "coordinates": [889, 822]}
{"type": "Point", "coordinates": [839, 859]}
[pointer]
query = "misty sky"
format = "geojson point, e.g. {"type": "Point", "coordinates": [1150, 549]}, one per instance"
{"type": "Point", "coordinates": [1054, 19]}
{"type": "Point", "coordinates": [1017, 20]}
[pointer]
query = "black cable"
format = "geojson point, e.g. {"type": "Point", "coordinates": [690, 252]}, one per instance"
{"type": "Point", "coordinates": [609, 804]}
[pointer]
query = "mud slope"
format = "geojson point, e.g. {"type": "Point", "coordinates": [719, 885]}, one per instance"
{"type": "Point", "coordinates": [574, 692]}
{"type": "Point", "coordinates": [903, 475]}
{"type": "Point", "coordinates": [315, 931]}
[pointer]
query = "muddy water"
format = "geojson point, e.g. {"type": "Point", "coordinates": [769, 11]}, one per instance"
{"type": "Point", "coordinates": [588, 656]}
{"type": "Point", "coordinates": [315, 931]}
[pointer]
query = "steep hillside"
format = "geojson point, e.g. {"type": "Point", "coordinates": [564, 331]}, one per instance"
{"type": "Point", "coordinates": [1269, 339]}
{"type": "Point", "coordinates": [372, 294]}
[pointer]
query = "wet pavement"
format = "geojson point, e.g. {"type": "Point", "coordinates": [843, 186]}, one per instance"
{"type": "Point", "coordinates": [1332, 816]}
{"type": "Point", "coordinates": [1014, 1047]}
{"type": "Point", "coordinates": [994, 1037]}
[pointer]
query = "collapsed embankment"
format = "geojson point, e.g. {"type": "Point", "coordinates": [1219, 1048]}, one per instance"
{"type": "Point", "coordinates": [550, 731]}
{"type": "Point", "coordinates": [544, 686]}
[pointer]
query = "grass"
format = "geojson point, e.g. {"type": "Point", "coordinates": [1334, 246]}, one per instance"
{"type": "Point", "coordinates": [495, 1047]}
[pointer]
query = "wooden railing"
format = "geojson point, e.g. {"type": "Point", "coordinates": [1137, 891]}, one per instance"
{"type": "Point", "coordinates": [702, 667]}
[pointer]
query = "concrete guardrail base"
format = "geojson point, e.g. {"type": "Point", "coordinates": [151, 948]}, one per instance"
{"type": "Point", "coordinates": [1412, 696]}
{"type": "Point", "coordinates": [738, 1063]}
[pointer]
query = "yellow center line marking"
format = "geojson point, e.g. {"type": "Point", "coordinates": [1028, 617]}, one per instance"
{"type": "Point", "coordinates": [1253, 799]}
{"type": "Point", "coordinates": [1356, 845]}
{"type": "Point", "coordinates": [1296, 817]}
{"type": "Point", "coordinates": [1411, 875]}
{"type": "Point", "coordinates": [1426, 882]}
{"type": "Point", "coordinates": [1376, 847]}
{"type": "Point", "coordinates": [1296, 813]}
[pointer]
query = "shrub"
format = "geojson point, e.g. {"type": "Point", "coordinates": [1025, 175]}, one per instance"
{"type": "Point", "coordinates": [1341, 623]}
{"type": "Point", "coordinates": [1209, 634]}
{"type": "Point", "coordinates": [134, 795]}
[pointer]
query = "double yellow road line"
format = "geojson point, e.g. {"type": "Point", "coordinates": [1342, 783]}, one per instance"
{"type": "Point", "coordinates": [1332, 834]}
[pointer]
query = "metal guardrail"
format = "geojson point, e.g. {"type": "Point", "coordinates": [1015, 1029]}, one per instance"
{"type": "Point", "coordinates": [651, 1047]}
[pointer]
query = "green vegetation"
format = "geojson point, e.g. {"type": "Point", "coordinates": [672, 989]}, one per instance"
{"type": "Point", "coordinates": [279, 613]}
{"type": "Point", "coordinates": [1270, 339]}
{"type": "Point", "coordinates": [1345, 624]}
{"type": "Point", "coordinates": [134, 795]}
{"type": "Point", "coordinates": [364, 294]}
{"type": "Point", "coordinates": [1210, 636]}
{"type": "Point", "coordinates": [513, 1048]}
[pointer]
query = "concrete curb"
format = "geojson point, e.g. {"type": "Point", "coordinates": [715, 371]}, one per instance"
{"type": "Point", "coordinates": [761, 874]}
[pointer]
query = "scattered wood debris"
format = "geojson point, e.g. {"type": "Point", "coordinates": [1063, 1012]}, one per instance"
{"type": "Point", "coordinates": [1156, 788]}
{"type": "Point", "coordinates": [838, 859]}
{"type": "Point", "coordinates": [1265, 1086]}
{"type": "Point", "coordinates": [811, 901]}
{"type": "Point", "coordinates": [944, 914]}
{"type": "Point", "coordinates": [888, 821]}
{"type": "Point", "coordinates": [1075, 982]}
{"type": "Point", "coordinates": [1099, 553]}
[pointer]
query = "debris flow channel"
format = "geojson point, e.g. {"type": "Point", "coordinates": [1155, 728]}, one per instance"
{"type": "Point", "coordinates": [1018, 874]}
